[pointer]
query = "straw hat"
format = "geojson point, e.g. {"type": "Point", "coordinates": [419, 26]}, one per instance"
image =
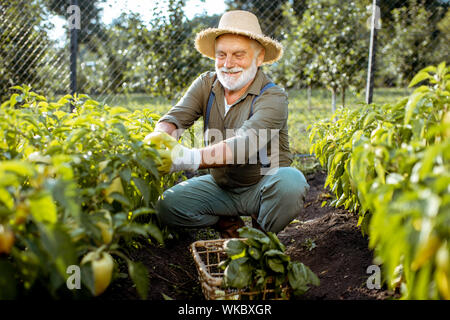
{"type": "Point", "coordinates": [238, 22]}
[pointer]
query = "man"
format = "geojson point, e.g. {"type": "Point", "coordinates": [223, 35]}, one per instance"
{"type": "Point", "coordinates": [241, 97]}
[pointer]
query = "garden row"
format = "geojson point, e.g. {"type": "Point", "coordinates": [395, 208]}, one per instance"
{"type": "Point", "coordinates": [76, 189]}
{"type": "Point", "coordinates": [391, 164]}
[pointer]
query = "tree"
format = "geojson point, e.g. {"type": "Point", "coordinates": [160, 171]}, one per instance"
{"type": "Point", "coordinates": [24, 45]}
{"type": "Point", "coordinates": [170, 62]}
{"type": "Point", "coordinates": [329, 46]}
{"type": "Point", "coordinates": [95, 37]}
{"type": "Point", "coordinates": [295, 70]}
{"type": "Point", "coordinates": [269, 13]}
{"type": "Point", "coordinates": [411, 43]}
{"type": "Point", "coordinates": [157, 57]}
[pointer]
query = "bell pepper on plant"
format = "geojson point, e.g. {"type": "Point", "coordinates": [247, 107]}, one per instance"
{"type": "Point", "coordinates": [6, 240]}
{"type": "Point", "coordinates": [102, 267]}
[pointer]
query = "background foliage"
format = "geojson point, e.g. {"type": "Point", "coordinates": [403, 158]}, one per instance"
{"type": "Point", "coordinates": [326, 45]}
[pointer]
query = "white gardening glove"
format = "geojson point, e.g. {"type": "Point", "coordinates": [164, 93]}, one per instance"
{"type": "Point", "coordinates": [184, 158]}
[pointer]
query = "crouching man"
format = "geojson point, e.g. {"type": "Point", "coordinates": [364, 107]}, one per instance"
{"type": "Point", "coordinates": [250, 171]}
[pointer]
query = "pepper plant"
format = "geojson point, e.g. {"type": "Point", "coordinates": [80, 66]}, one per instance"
{"type": "Point", "coordinates": [391, 164]}
{"type": "Point", "coordinates": [74, 184]}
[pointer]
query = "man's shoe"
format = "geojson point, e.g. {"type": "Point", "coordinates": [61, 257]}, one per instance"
{"type": "Point", "coordinates": [228, 226]}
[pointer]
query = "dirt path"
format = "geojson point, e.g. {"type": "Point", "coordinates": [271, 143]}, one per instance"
{"type": "Point", "coordinates": [329, 242]}
{"type": "Point", "coordinates": [325, 239]}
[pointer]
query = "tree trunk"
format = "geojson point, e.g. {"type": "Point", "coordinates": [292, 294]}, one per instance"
{"type": "Point", "coordinates": [343, 97]}
{"type": "Point", "coordinates": [333, 100]}
{"type": "Point", "coordinates": [309, 97]}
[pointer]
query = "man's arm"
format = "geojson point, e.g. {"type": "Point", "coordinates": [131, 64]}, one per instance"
{"type": "Point", "coordinates": [166, 127]}
{"type": "Point", "coordinates": [217, 155]}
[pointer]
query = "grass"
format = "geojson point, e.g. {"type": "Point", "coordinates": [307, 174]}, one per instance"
{"type": "Point", "coordinates": [300, 116]}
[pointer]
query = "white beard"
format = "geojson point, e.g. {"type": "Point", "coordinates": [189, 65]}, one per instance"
{"type": "Point", "coordinates": [232, 84]}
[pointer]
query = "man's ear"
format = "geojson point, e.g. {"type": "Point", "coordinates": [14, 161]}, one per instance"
{"type": "Point", "coordinates": [260, 58]}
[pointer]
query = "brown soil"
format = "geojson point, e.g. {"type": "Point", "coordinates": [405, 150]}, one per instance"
{"type": "Point", "coordinates": [324, 238]}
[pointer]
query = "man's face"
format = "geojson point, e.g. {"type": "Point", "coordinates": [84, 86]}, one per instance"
{"type": "Point", "coordinates": [237, 60]}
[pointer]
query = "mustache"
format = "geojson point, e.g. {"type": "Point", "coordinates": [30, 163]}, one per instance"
{"type": "Point", "coordinates": [235, 69]}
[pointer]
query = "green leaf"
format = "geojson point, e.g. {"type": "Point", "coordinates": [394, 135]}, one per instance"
{"type": "Point", "coordinates": [143, 188]}
{"type": "Point", "coordinates": [5, 104]}
{"type": "Point", "coordinates": [155, 232]}
{"type": "Point", "coordinates": [87, 276]}
{"type": "Point", "coordinates": [43, 208]}
{"type": "Point", "coordinates": [276, 260]}
{"type": "Point", "coordinates": [149, 165]}
{"type": "Point", "coordinates": [142, 211]}
{"type": "Point", "coordinates": [428, 161]}
{"type": "Point", "coordinates": [17, 88]}
{"type": "Point", "coordinates": [13, 100]}
{"type": "Point", "coordinates": [300, 277]}
{"type": "Point", "coordinates": [418, 78]}
{"type": "Point", "coordinates": [238, 274]}
{"type": "Point", "coordinates": [19, 167]}
{"type": "Point", "coordinates": [254, 236]}
{"type": "Point", "coordinates": [369, 118]}
{"type": "Point", "coordinates": [58, 245]}
{"type": "Point", "coordinates": [7, 199]}
{"type": "Point", "coordinates": [120, 198]}
{"type": "Point", "coordinates": [64, 192]}
{"type": "Point", "coordinates": [441, 68]}
{"type": "Point", "coordinates": [139, 274]}
{"type": "Point", "coordinates": [277, 243]}
{"type": "Point", "coordinates": [429, 69]}
{"type": "Point", "coordinates": [254, 253]}
{"type": "Point", "coordinates": [275, 264]}
{"type": "Point", "coordinates": [134, 229]}
{"type": "Point", "coordinates": [166, 297]}
{"type": "Point", "coordinates": [91, 102]}
{"type": "Point", "coordinates": [125, 173]}
{"type": "Point", "coordinates": [260, 277]}
{"type": "Point", "coordinates": [274, 253]}
{"type": "Point", "coordinates": [234, 247]}
{"type": "Point", "coordinates": [411, 105]}
{"type": "Point", "coordinates": [122, 129]}
{"type": "Point", "coordinates": [118, 110]}
{"type": "Point", "coordinates": [76, 135]}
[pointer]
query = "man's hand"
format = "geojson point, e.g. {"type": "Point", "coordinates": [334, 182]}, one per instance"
{"type": "Point", "coordinates": [160, 139]}
{"type": "Point", "coordinates": [174, 156]}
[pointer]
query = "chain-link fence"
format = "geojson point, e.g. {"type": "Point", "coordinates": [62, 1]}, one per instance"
{"type": "Point", "coordinates": [151, 51]}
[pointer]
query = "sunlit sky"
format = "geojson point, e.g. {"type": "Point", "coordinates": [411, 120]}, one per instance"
{"type": "Point", "coordinates": [113, 8]}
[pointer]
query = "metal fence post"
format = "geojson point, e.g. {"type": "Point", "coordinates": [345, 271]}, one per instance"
{"type": "Point", "coordinates": [73, 57]}
{"type": "Point", "coordinates": [372, 52]}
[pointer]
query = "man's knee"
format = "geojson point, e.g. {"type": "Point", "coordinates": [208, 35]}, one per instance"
{"type": "Point", "coordinates": [291, 184]}
{"type": "Point", "coordinates": [291, 188]}
{"type": "Point", "coordinates": [164, 208]}
{"type": "Point", "coordinates": [173, 209]}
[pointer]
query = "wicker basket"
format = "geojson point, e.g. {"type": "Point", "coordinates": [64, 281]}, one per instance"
{"type": "Point", "coordinates": [207, 255]}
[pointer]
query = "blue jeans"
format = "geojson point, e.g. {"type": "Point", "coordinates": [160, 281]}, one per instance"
{"type": "Point", "coordinates": [198, 202]}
